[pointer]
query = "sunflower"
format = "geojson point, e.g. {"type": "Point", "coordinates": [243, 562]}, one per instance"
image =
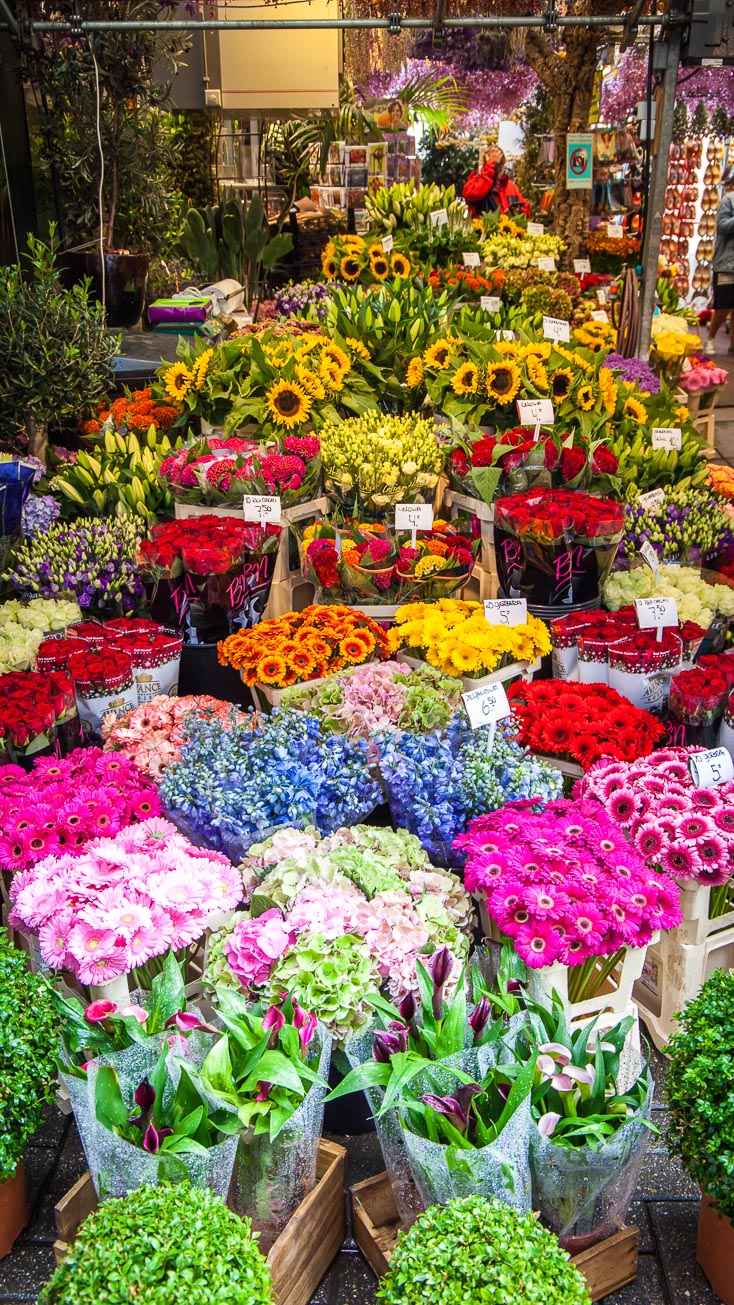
{"type": "Point", "coordinates": [307, 345]}
{"type": "Point", "coordinates": [466, 379]}
{"type": "Point", "coordinates": [537, 374]}
{"type": "Point", "coordinates": [608, 389]}
{"type": "Point", "coordinates": [633, 408]}
{"type": "Point", "coordinates": [288, 403]}
{"type": "Point", "coordinates": [279, 356]}
{"type": "Point", "coordinates": [359, 348]}
{"type": "Point", "coordinates": [331, 375]}
{"type": "Point", "coordinates": [507, 348]}
{"type": "Point", "coordinates": [400, 265]}
{"type": "Point", "coordinates": [353, 242]}
{"type": "Point", "coordinates": [414, 374]}
{"type": "Point", "coordinates": [502, 381]}
{"type": "Point", "coordinates": [336, 355]}
{"type": "Point", "coordinates": [350, 267]}
{"type": "Point", "coordinates": [310, 381]}
{"type": "Point", "coordinates": [329, 267]}
{"type": "Point", "coordinates": [178, 380]}
{"type": "Point", "coordinates": [438, 355]}
{"type": "Point", "coordinates": [379, 266]}
{"type": "Point", "coordinates": [561, 383]}
{"type": "Point", "coordinates": [271, 669]}
{"type": "Point", "coordinates": [540, 350]}
{"type": "Point", "coordinates": [585, 397]}
{"type": "Point", "coordinates": [200, 368]}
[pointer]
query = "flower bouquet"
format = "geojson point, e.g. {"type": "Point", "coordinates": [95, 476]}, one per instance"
{"type": "Point", "coordinates": [688, 525]}
{"type": "Point", "coordinates": [554, 547]}
{"type": "Point", "coordinates": [24, 626]}
{"type": "Point", "coordinates": [701, 373]}
{"type": "Point", "coordinates": [353, 259]}
{"type": "Point", "coordinates": [156, 657]}
{"type": "Point", "coordinates": [122, 902]}
{"type": "Point", "coordinates": [151, 735]}
{"type": "Point", "coordinates": [38, 716]}
{"type": "Point", "coordinates": [92, 561]}
{"type": "Point", "coordinates": [209, 576]}
{"type": "Point", "coordinates": [441, 562]}
{"type": "Point", "coordinates": [696, 703]}
{"type": "Point", "coordinates": [355, 563]}
{"type": "Point", "coordinates": [581, 723]}
{"type": "Point", "coordinates": [379, 696]}
{"type": "Point", "coordinates": [303, 646]}
{"type": "Point", "coordinates": [91, 633]}
{"type": "Point", "coordinates": [374, 462]}
{"type": "Point", "coordinates": [271, 1066]}
{"type": "Point", "coordinates": [671, 343]}
{"type": "Point", "coordinates": [104, 684]}
{"type": "Point", "coordinates": [456, 637]}
{"type": "Point", "coordinates": [216, 472]}
{"type": "Point", "coordinates": [16, 483]}
{"type": "Point", "coordinates": [133, 413]}
{"type": "Point", "coordinates": [514, 461]}
{"type": "Point", "coordinates": [581, 640]}
{"type": "Point", "coordinates": [574, 917]}
{"type": "Point", "coordinates": [640, 666]}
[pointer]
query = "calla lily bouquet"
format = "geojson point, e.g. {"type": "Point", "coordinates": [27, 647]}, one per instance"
{"type": "Point", "coordinates": [475, 1114]}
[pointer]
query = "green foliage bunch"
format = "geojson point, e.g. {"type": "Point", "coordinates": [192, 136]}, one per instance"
{"type": "Point", "coordinates": [28, 1043]}
{"type": "Point", "coordinates": [700, 1090]}
{"type": "Point", "coordinates": [117, 476]}
{"type": "Point", "coordinates": [477, 1250]}
{"type": "Point", "coordinates": [162, 1244]}
{"type": "Point", "coordinates": [55, 350]}
{"type": "Point", "coordinates": [233, 240]}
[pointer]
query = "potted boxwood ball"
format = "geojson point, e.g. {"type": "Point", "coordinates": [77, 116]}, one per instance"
{"type": "Point", "coordinates": [28, 1042]}
{"type": "Point", "coordinates": [162, 1244]}
{"type": "Point", "coordinates": [700, 1092]}
{"type": "Point", "coordinates": [477, 1250]}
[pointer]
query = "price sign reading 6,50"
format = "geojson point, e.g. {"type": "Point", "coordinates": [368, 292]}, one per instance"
{"type": "Point", "coordinates": [486, 706]}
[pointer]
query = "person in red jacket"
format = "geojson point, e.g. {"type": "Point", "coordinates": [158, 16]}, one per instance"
{"type": "Point", "coordinates": [491, 189]}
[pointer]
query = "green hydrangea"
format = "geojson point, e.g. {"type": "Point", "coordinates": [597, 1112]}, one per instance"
{"type": "Point", "coordinates": [442, 930]}
{"type": "Point", "coordinates": [162, 1244]}
{"type": "Point", "coordinates": [283, 883]}
{"type": "Point", "coordinates": [331, 978]}
{"type": "Point", "coordinates": [29, 1041]}
{"type": "Point", "coordinates": [402, 850]}
{"type": "Point", "coordinates": [371, 873]}
{"type": "Point", "coordinates": [474, 1250]}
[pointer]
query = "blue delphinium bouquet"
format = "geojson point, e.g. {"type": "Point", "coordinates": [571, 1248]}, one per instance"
{"type": "Point", "coordinates": [437, 783]}
{"type": "Point", "coordinates": [233, 782]}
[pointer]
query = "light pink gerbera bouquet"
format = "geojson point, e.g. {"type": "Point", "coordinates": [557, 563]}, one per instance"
{"type": "Point", "coordinates": [151, 735]}
{"type": "Point", "coordinates": [123, 901]}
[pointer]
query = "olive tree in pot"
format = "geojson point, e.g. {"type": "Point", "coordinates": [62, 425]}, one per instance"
{"type": "Point", "coordinates": [28, 1043]}
{"type": "Point", "coordinates": [139, 153]}
{"type": "Point", "coordinates": [700, 1092]}
{"type": "Point", "coordinates": [55, 350]}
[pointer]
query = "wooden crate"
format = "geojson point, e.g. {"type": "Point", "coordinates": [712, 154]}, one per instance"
{"type": "Point", "coordinates": [606, 1267]}
{"type": "Point", "coordinates": [299, 1258]}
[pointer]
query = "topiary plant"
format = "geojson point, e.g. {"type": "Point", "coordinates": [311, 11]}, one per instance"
{"type": "Point", "coordinates": [472, 1250]}
{"type": "Point", "coordinates": [28, 1043]}
{"type": "Point", "coordinates": [700, 1090]}
{"type": "Point", "coordinates": [163, 1244]}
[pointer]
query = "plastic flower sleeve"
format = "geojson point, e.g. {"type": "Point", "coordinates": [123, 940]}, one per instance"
{"type": "Point", "coordinates": [271, 1179]}
{"type": "Point", "coordinates": [583, 1194]}
{"type": "Point", "coordinates": [118, 1167]}
{"type": "Point", "coordinates": [500, 1170]}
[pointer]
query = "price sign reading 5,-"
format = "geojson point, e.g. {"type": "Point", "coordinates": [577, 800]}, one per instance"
{"type": "Point", "coordinates": [711, 768]}
{"type": "Point", "coordinates": [486, 706]}
{"type": "Point", "coordinates": [505, 611]}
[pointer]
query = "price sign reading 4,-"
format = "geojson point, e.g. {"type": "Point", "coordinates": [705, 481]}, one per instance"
{"type": "Point", "coordinates": [413, 517]}
{"type": "Point", "coordinates": [486, 706]}
{"type": "Point", "coordinates": [656, 613]}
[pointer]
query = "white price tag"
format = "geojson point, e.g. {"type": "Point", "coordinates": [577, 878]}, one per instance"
{"type": "Point", "coordinates": [471, 258]}
{"type": "Point", "coordinates": [439, 217]}
{"type": "Point", "coordinates": [534, 412]}
{"type": "Point", "coordinates": [504, 335]}
{"type": "Point", "coordinates": [582, 266]}
{"type": "Point", "coordinates": [667, 437]}
{"type": "Point", "coordinates": [490, 303]}
{"type": "Point", "coordinates": [712, 63]}
{"type": "Point", "coordinates": [487, 705]}
{"type": "Point", "coordinates": [264, 508]}
{"type": "Point", "coordinates": [711, 768]}
{"type": "Point", "coordinates": [506, 611]}
{"type": "Point", "coordinates": [546, 264]}
{"type": "Point", "coordinates": [600, 315]}
{"type": "Point", "coordinates": [387, 243]}
{"type": "Point", "coordinates": [614, 232]}
{"type": "Point", "coordinates": [652, 501]}
{"type": "Point", "coordinates": [655, 613]}
{"type": "Point", "coordinates": [536, 229]}
{"type": "Point", "coordinates": [413, 517]}
{"type": "Point", "coordinates": [649, 556]}
{"type": "Point", "coordinates": [554, 328]}
{"type": "Point", "coordinates": [601, 296]}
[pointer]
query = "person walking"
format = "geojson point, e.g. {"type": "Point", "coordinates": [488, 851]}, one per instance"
{"type": "Point", "coordinates": [722, 266]}
{"type": "Point", "coordinates": [491, 188]}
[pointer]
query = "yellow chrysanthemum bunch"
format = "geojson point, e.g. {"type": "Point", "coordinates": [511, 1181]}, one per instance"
{"type": "Point", "coordinates": [456, 637]}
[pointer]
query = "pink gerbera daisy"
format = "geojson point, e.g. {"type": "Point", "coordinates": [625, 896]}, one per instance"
{"type": "Point", "coordinates": [537, 943]}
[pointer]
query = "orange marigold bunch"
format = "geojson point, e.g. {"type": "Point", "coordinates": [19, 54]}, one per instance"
{"type": "Point", "coordinates": [135, 412]}
{"type": "Point", "coordinates": [304, 645]}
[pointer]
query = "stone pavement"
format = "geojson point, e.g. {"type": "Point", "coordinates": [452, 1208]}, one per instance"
{"type": "Point", "coordinates": [665, 1210]}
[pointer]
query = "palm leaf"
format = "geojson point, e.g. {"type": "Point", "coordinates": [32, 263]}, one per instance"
{"type": "Point", "coordinates": [436, 102]}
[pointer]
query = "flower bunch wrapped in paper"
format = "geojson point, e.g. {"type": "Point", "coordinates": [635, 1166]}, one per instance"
{"type": "Point", "coordinates": [215, 472]}
{"type": "Point", "coordinates": [104, 684]}
{"type": "Point", "coordinates": [581, 723]}
{"type": "Point", "coordinates": [599, 629]}
{"type": "Point", "coordinates": [355, 562]}
{"type": "Point", "coordinates": [456, 637]}
{"type": "Point", "coordinates": [38, 716]}
{"type": "Point", "coordinates": [514, 460]}
{"type": "Point", "coordinates": [375, 461]}
{"type": "Point", "coordinates": [439, 563]}
{"type": "Point", "coordinates": [304, 646]}
{"type": "Point", "coordinates": [209, 575]}
{"type": "Point", "coordinates": [697, 699]}
{"type": "Point", "coordinates": [640, 665]}
{"type": "Point", "coordinates": [555, 547]}
{"type": "Point", "coordinates": [701, 373]}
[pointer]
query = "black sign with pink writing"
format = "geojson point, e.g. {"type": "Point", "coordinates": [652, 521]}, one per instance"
{"type": "Point", "coordinates": [208, 608]}
{"type": "Point", "coordinates": [556, 574]}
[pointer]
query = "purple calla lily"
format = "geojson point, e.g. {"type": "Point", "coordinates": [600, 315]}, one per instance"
{"type": "Point", "coordinates": [153, 1138]}
{"type": "Point", "coordinates": [479, 1017]}
{"type": "Point", "coordinates": [187, 1021]}
{"type": "Point", "coordinates": [144, 1094]}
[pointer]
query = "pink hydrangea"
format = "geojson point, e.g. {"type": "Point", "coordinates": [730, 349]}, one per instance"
{"type": "Point", "coordinates": [256, 945]}
{"type": "Point", "coordinates": [329, 909]}
{"type": "Point", "coordinates": [394, 934]}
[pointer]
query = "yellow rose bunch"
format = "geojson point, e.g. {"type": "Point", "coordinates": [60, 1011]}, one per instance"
{"type": "Point", "coordinates": [456, 637]}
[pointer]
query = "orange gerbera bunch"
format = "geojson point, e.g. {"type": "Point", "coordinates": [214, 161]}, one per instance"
{"type": "Point", "coordinates": [304, 645]}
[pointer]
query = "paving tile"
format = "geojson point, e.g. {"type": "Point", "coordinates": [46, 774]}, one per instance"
{"type": "Point", "coordinates": [639, 1218]}
{"type": "Point", "coordinates": [39, 1167]}
{"type": "Point", "coordinates": [663, 1177]}
{"type": "Point", "coordinates": [648, 1287]}
{"type": "Point", "coordinates": [71, 1165]}
{"type": "Point", "coordinates": [674, 1224]}
{"type": "Point", "coordinates": [42, 1227]}
{"type": "Point", "coordinates": [23, 1273]}
{"type": "Point", "coordinates": [52, 1130]}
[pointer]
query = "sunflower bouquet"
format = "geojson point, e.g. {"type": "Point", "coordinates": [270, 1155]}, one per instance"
{"type": "Point", "coordinates": [304, 646]}
{"type": "Point", "coordinates": [353, 259]}
{"type": "Point", "coordinates": [372, 462]}
{"type": "Point", "coordinates": [455, 637]}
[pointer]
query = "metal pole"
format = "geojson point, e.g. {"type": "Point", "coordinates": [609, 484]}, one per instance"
{"type": "Point", "coordinates": [315, 24]}
{"type": "Point", "coordinates": [654, 215]}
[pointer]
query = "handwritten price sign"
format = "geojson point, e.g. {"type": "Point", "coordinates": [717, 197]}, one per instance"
{"type": "Point", "coordinates": [649, 556]}
{"type": "Point", "coordinates": [387, 243]}
{"type": "Point", "coordinates": [439, 217]}
{"type": "Point", "coordinates": [711, 768]}
{"type": "Point", "coordinates": [490, 303]}
{"type": "Point", "coordinates": [263, 508]}
{"type": "Point", "coordinates": [656, 613]}
{"type": "Point", "coordinates": [667, 437]}
{"type": "Point", "coordinates": [536, 229]}
{"type": "Point", "coordinates": [582, 266]}
{"type": "Point", "coordinates": [554, 328]}
{"type": "Point", "coordinates": [413, 517]}
{"type": "Point", "coordinates": [653, 501]}
{"type": "Point", "coordinates": [487, 705]}
{"type": "Point", "coordinates": [471, 258]}
{"type": "Point", "coordinates": [506, 611]}
{"type": "Point", "coordinates": [534, 412]}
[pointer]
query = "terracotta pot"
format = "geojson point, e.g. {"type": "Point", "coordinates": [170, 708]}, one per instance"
{"type": "Point", "coordinates": [14, 1212]}
{"type": "Point", "coordinates": [715, 1249]}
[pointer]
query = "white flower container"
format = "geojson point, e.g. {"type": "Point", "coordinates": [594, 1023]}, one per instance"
{"type": "Point", "coordinates": [673, 974]}
{"type": "Point", "coordinates": [697, 927]}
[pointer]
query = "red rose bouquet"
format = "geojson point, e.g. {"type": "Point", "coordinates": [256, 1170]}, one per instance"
{"type": "Point", "coordinates": [216, 472]}
{"type": "Point", "coordinates": [156, 656]}
{"type": "Point", "coordinates": [581, 722]}
{"type": "Point", "coordinates": [640, 666]}
{"type": "Point", "coordinates": [103, 680]}
{"type": "Point", "coordinates": [556, 547]}
{"type": "Point", "coordinates": [55, 654]}
{"type": "Point", "coordinates": [697, 700]}
{"type": "Point", "coordinates": [90, 633]}
{"type": "Point", "coordinates": [209, 575]}
{"type": "Point", "coordinates": [38, 716]}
